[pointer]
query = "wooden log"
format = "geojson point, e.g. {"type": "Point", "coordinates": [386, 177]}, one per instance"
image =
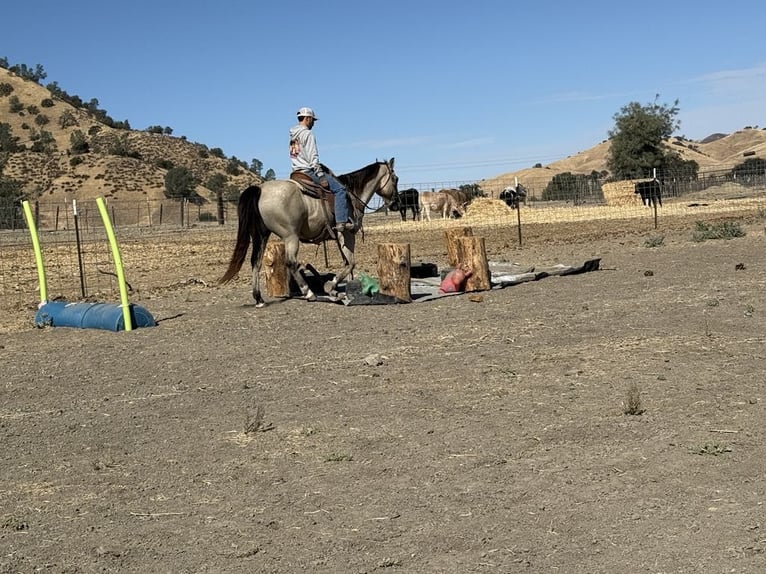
{"type": "Point", "coordinates": [452, 239]}
{"type": "Point", "coordinates": [394, 270]}
{"type": "Point", "coordinates": [474, 257]}
{"type": "Point", "coordinates": [275, 269]}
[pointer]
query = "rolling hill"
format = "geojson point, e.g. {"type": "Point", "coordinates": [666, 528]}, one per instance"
{"type": "Point", "coordinates": [138, 170]}
{"type": "Point", "coordinates": [122, 163]}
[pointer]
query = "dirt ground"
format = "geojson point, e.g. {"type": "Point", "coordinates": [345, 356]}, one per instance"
{"type": "Point", "coordinates": [463, 435]}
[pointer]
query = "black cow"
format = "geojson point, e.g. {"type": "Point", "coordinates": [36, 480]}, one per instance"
{"type": "Point", "coordinates": [513, 195]}
{"type": "Point", "coordinates": [650, 192]}
{"type": "Point", "coordinates": [404, 200]}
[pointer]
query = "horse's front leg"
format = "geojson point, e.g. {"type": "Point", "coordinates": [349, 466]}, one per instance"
{"type": "Point", "coordinates": [292, 244]}
{"type": "Point", "coordinates": [347, 243]}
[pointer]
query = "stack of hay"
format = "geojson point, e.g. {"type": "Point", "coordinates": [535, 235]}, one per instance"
{"type": "Point", "coordinates": [487, 207]}
{"type": "Point", "coordinates": [622, 193]}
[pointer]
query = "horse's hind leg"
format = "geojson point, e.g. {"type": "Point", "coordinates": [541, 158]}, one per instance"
{"type": "Point", "coordinates": [256, 260]}
{"type": "Point", "coordinates": [292, 244]}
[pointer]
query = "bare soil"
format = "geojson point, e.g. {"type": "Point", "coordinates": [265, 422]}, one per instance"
{"type": "Point", "coordinates": [471, 434]}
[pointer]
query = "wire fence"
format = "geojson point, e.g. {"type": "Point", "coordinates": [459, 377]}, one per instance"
{"type": "Point", "coordinates": [79, 266]}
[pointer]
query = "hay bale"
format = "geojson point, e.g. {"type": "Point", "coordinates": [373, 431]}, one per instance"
{"type": "Point", "coordinates": [622, 193]}
{"type": "Point", "coordinates": [487, 207]}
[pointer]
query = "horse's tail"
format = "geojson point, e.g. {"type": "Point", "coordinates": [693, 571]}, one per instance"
{"type": "Point", "coordinates": [249, 217]}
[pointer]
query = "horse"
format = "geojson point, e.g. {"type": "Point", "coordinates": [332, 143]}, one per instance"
{"type": "Point", "coordinates": [407, 198]}
{"type": "Point", "coordinates": [280, 207]}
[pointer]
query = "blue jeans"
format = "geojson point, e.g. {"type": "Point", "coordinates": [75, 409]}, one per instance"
{"type": "Point", "coordinates": [341, 201]}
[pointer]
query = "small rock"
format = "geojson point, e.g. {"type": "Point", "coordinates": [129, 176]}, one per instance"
{"type": "Point", "coordinates": [373, 360]}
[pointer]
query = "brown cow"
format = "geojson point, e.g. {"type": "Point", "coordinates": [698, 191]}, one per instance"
{"type": "Point", "coordinates": [438, 201]}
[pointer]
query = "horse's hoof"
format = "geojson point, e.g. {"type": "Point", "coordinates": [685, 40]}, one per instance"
{"type": "Point", "coordinates": [260, 304]}
{"type": "Point", "coordinates": [310, 296]}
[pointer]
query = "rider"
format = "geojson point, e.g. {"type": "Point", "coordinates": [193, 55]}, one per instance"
{"type": "Point", "coordinates": [305, 158]}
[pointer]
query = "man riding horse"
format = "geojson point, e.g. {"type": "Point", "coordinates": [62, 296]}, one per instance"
{"type": "Point", "coordinates": [304, 157]}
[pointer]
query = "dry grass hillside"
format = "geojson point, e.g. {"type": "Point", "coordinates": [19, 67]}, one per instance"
{"type": "Point", "coordinates": [53, 175]}
{"type": "Point", "coordinates": [720, 151]}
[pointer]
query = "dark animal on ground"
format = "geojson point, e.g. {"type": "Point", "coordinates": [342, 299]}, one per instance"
{"type": "Point", "coordinates": [650, 192]}
{"type": "Point", "coordinates": [404, 200]}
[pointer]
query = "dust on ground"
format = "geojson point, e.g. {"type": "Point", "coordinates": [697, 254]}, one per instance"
{"type": "Point", "coordinates": [465, 435]}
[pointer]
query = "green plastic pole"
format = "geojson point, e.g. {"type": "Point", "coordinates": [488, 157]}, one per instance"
{"type": "Point", "coordinates": [38, 252]}
{"type": "Point", "coordinates": [117, 263]}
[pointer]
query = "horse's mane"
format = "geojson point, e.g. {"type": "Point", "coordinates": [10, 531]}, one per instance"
{"type": "Point", "coordinates": [355, 181]}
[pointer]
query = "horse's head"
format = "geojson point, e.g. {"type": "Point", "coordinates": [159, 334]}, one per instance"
{"type": "Point", "coordinates": [388, 184]}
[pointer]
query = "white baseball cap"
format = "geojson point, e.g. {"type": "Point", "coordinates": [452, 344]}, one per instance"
{"type": "Point", "coordinates": [307, 113]}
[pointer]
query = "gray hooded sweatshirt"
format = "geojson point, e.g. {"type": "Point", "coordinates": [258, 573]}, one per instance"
{"type": "Point", "coordinates": [303, 150]}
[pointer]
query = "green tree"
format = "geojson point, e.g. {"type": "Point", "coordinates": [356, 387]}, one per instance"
{"type": "Point", "coordinates": [270, 175]}
{"type": "Point", "coordinates": [637, 139]}
{"type": "Point", "coordinates": [10, 203]}
{"type": "Point", "coordinates": [78, 143]}
{"type": "Point", "coordinates": [216, 183]}
{"type": "Point", "coordinates": [256, 166]}
{"type": "Point", "coordinates": [750, 172]}
{"type": "Point", "coordinates": [180, 183]}
{"type": "Point", "coordinates": [569, 186]}
{"type": "Point", "coordinates": [43, 142]}
{"type": "Point", "coordinates": [15, 105]}
{"type": "Point", "coordinates": [8, 142]}
{"type": "Point", "coordinates": [233, 166]}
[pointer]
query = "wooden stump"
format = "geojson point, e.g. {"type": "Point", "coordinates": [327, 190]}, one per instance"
{"type": "Point", "coordinates": [474, 257]}
{"type": "Point", "coordinates": [452, 239]}
{"type": "Point", "coordinates": [394, 270]}
{"type": "Point", "coordinates": [275, 269]}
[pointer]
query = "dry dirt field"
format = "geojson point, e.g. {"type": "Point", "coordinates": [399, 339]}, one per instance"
{"type": "Point", "coordinates": [463, 435]}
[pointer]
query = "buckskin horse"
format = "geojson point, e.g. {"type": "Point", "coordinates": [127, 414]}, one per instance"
{"type": "Point", "coordinates": [281, 207]}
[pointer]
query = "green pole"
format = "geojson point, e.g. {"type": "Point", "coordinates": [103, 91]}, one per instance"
{"type": "Point", "coordinates": [38, 252]}
{"type": "Point", "coordinates": [117, 263]}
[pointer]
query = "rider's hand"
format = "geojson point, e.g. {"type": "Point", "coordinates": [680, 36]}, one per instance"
{"type": "Point", "coordinates": [324, 183]}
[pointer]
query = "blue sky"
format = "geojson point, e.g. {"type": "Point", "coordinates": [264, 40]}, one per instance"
{"type": "Point", "coordinates": [455, 91]}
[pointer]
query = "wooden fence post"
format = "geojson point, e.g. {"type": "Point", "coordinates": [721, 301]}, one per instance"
{"type": "Point", "coordinates": [452, 239]}
{"type": "Point", "coordinates": [275, 268]}
{"type": "Point", "coordinates": [474, 257]}
{"type": "Point", "coordinates": [394, 270]}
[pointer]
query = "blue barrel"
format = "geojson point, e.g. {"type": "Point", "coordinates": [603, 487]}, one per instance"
{"type": "Point", "coordinates": [106, 316]}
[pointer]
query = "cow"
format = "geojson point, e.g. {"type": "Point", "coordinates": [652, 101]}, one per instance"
{"type": "Point", "coordinates": [650, 192]}
{"type": "Point", "coordinates": [513, 195]}
{"type": "Point", "coordinates": [438, 201]}
{"type": "Point", "coordinates": [404, 200]}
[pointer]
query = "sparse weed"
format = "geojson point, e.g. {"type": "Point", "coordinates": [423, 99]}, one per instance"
{"type": "Point", "coordinates": [254, 421]}
{"type": "Point", "coordinates": [655, 241]}
{"type": "Point", "coordinates": [339, 457]}
{"type": "Point", "coordinates": [724, 230]}
{"type": "Point", "coordinates": [710, 447]}
{"type": "Point", "coordinates": [632, 404]}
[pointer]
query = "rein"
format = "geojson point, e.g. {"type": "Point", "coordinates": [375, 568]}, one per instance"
{"type": "Point", "coordinates": [364, 204]}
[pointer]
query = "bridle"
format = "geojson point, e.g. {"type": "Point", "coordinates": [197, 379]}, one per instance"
{"type": "Point", "coordinates": [390, 177]}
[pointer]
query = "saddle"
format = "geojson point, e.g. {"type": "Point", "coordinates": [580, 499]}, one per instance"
{"type": "Point", "coordinates": [309, 186]}
{"type": "Point", "coordinates": [313, 189]}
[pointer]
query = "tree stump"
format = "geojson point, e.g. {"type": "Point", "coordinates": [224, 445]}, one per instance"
{"type": "Point", "coordinates": [474, 257]}
{"type": "Point", "coordinates": [452, 239]}
{"type": "Point", "coordinates": [275, 269]}
{"type": "Point", "coordinates": [394, 270]}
